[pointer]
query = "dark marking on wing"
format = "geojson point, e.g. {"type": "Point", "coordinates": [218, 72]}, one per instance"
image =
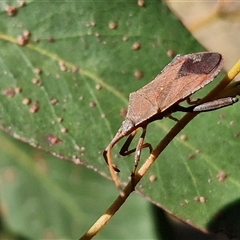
{"type": "Point", "coordinates": [199, 64]}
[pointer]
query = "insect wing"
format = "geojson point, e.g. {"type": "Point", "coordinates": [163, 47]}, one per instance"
{"type": "Point", "coordinates": [196, 71]}
{"type": "Point", "coordinates": [182, 77]}
{"type": "Point", "coordinates": [140, 108]}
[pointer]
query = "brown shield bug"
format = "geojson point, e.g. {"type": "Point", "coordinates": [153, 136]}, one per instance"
{"type": "Point", "coordinates": [177, 82]}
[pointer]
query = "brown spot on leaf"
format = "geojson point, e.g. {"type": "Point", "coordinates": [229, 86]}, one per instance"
{"type": "Point", "coordinates": [54, 101]}
{"type": "Point", "coordinates": [22, 3]}
{"type": "Point", "coordinates": [93, 23]}
{"type": "Point", "coordinates": [26, 101]}
{"type": "Point", "coordinates": [9, 92]}
{"type": "Point", "coordinates": [237, 135]}
{"type": "Point", "coordinates": [76, 69]}
{"type": "Point", "coordinates": [60, 120]}
{"type": "Point", "coordinates": [97, 34]}
{"type": "Point", "coordinates": [113, 25]}
{"type": "Point", "coordinates": [38, 71]}
{"type": "Point", "coordinates": [11, 10]}
{"type": "Point", "coordinates": [22, 41]}
{"type": "Point", "coordinates": [82, 149]}
{"type": "Point", "coordinates": [141, 3]}
{"type": "Point", "coordinates": [18, 90]}
{"type": "Point", "coordinates": [27, 34]}
{"type": "Point", "coordinates": [52, 139]}
{"type": "Point", "coordinates": [138, 74]}
{"type": "Point", "coordinates": [51, 39]}
{"type": "Point", "coordinates": [37, 81]}
{"type": "Point", "coordinates": [92, 104]}
{"type": "Point", "coordinates": [202, 199]}
{"type": "Point", "coordinates": [34, 108]}
{"type": "Point", "coordinates": [221, 176]}
{"type": "Point", "coordinates": [64, 130]}
{"type": "Point", "coordinates": [184, 137]}
{"type": "Point", "coordinates": [191, 156]}
{"type": "Point", "coordinates": [24, 38]}
{"type": "Point", "coordinates": [136, 46]}
{"type": "Point", "coordinates": [98, 86]}
{"type": "Point", "coordinates": [152, 178]}
{"type": "Point", "coordinates": [196, 199]}
{"type": "Point", "coordinates": [171, 53]}
{"type": "Point", "coordinates": [62, 66]}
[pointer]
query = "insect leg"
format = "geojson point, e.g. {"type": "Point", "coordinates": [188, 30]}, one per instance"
{"type": "Point", "coordinates": [108, 158]}
{"type": "Point", "coordinates": [124, 150]}
{"type": "Point", "coordinates": [216, 104]}
{"type": "Point", "coordinates": [209, 106]}
{"type": "Point", "coordinates": [192, 102]}
{"type": "Point", "coordinates": [107, 154]}
{"type": "Point", "coordinates": [172, 117]}
{"type": "Point", "coordinates": [139, 147]}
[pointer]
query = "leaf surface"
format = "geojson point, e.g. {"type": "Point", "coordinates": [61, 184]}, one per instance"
{"type": "Point", "coordinates": [67, 89]}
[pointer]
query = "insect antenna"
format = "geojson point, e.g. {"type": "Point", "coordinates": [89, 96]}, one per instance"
{"type": "Point", "coordinates": [107, 154]}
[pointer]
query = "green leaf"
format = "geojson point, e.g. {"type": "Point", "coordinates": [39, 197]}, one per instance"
{"type": "Point", "coordinates": [73, 107]}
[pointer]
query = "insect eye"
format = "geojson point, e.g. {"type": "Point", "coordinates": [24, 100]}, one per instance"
{"type": "Point", "coordinates": [127, 126]}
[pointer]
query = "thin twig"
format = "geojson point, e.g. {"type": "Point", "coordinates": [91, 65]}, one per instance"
{"type": "Point", "coordinates": [103, 220]}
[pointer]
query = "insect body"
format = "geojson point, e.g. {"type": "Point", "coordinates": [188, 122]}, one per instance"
{"type": "Point", "coordinates": [178, 80]}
